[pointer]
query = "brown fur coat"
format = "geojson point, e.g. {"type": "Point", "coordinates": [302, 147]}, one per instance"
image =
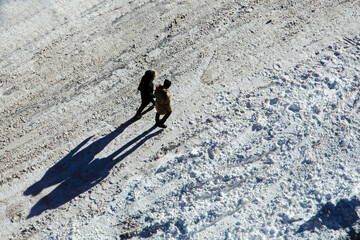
{"type": "Point", "coordinates": [162, 103]}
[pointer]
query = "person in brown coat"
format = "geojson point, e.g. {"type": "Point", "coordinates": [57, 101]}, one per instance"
{"type": "Point", "coordinates": [162, 103]}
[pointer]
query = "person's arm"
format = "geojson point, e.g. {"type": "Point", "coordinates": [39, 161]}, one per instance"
{"type": "Point", "coordinates": [168, 102]}
{"type": "Point", "coordinates": [151, 90]}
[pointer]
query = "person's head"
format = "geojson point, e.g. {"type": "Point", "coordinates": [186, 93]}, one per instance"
{"type": "Point", "coordinates": [150, 75]}
{"type": "Point", "coordinates": [166, 84]}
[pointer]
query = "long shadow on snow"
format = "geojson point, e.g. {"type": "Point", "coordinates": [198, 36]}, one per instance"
{"type": "Point", "coordinates": [80, 172]}
{"type": "Point", "coordinates": [74, 161]}
{"type": "Point", "coordinates": [341, 216]}
{"type": "Point", "coordinates": [71, 163]}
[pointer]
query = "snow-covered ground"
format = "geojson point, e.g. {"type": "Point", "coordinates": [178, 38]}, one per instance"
{"type": "Point", "coordinates": [263, 141]}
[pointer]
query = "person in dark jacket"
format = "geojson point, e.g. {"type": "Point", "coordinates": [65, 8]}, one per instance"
{"type": "Point", "coordinates": [162, 103]}
{"type": "Point", "coordinates": [146, 88]}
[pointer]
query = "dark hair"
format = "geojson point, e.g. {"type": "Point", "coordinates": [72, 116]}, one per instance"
{"type": "Point", "coordinates": [149, 75]}
{"type": "Point", "coordinates": [167, 83]}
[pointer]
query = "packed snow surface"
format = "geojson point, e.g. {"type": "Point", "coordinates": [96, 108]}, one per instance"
{"type": "Point", "coordinates": [263, 141]}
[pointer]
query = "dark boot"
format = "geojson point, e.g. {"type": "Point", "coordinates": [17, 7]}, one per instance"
{"type": "Point", "coordinates": [161, 125]}
{"type": "Point", "coordinates": [141, 108]}
{"type": "Point", "coordinates": [162, 121]}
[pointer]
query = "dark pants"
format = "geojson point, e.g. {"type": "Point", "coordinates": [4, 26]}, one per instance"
{"type": "Point", "coordinates": [162, 121]}
{"type": "Point", "coordinates": [144, 103]}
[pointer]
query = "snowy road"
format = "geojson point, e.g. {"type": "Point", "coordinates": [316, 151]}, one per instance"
{"type": "Point", "coordinates": [263, 140]}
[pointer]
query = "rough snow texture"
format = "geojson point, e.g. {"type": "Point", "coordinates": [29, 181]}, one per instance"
{"type": "Point", "coordinates": [263, 142]}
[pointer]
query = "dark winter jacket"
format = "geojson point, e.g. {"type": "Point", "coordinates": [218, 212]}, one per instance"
{"type": "Point", "coordinates": [162, 103]}
{"type": "Point", "coordinates": [146, 88]}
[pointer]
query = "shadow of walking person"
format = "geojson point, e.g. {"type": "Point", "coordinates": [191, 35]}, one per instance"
{"type": "Point", "coordinates": [87, 176]}
{"type": "Point", "coordinates": [70, 164]}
